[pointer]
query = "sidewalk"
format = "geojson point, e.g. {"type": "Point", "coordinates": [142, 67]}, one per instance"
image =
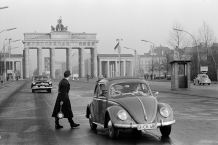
{"type": "Point", "coordinates": [165, 87]}
{"type": "Point", "coordinates": [6, 82]}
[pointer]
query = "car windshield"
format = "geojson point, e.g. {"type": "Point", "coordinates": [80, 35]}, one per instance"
{"type": "Point", "coordinates": [40, 78]}
{"type": "Point", "coordinates": [129, 88]}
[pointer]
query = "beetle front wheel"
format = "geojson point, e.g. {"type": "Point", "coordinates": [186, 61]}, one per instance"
{"type": "Point", "coordinates": [165, 130]}
{"type": "Point", "coordinates": [112, 130]}
{"type": "Point", "coordinates": [92, 125]}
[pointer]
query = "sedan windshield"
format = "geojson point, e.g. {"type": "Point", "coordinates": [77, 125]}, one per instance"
{"type": "Point", "coordinates": [129, 88]}
{"type": "Point", "coordinates": [40, 78]}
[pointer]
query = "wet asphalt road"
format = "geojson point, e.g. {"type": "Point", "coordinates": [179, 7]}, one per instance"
{"type": "Point", "coordinates": [25, 118]}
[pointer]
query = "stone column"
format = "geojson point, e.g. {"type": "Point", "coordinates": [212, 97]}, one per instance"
{"type": "Point", "coordinates": [82, 64]}
{"type": "Point", "coordinates": [108, 68]}
{"type": "Point", "coordinates": [95, 65]}
{"type": "Point", "coordinates": [69, 59]}
{"type": "Point", "coordinates": [115, 69]}
{"type": "Point", "coordinates": [52, 62]}
{"type": "Point", "coordinates": [132, 68]}
{"type": "Point", "coordinates": [79, 60]}
{"type": "Point", "coordinates": [100, 67]}
{"type": "Point", "coordinates": [124, 68]}
{"type": "Point", "coordinates": [27, 73]}
{"type": "Point", "coordinates": [21, 69]}
{"type": "Point", "coordinates": [39, 60]}
{"type": "Point", "coordinates": [23, 64]}
{"type": "Point", "coordinates": [12, 68]}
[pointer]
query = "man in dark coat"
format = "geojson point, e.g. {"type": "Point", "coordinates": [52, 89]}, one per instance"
{"type": "Point", "coordinates": [63, 99]}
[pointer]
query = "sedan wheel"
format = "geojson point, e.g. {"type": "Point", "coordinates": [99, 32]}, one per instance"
{"type": "Point", "coordinates": [208, 83]}
{"type": "Point", "coordinates": [92, 125]}
{"type": "Point", "coordinates": [165, 130]}
{"type": "Point", "coordinates": [113, 131]}
{"type": "Point", "coordinates": [49, 90]}
{"type": "Point", "coordinates": [33, 91]}
{"type": "Point", "coordinates": [136, 132]}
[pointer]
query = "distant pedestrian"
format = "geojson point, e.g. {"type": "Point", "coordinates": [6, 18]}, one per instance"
{"type": "Point", "coordinates": [7, 78]}
{"type": "Point", "coordinates": [17, 78]}
{"type": "Point", "coordinates": [1, 78]}
{"type": "Point", "coordinates": [63, 102]}
{"type": "Point", "coordinates": [151, 77]}
{"type": "Point", "coordinates": [87, 77]}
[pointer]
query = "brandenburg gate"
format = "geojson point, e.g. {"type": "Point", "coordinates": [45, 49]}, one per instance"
{"type": "Point", "coordinates": [60, 38]}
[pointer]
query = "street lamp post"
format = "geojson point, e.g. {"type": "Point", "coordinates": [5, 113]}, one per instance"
{"type": "Point", "coordinates": [8, 29]}
{"type": "Point", "coordinates": [134, 59]}
{"type": "Point", "coordinates": [4, 70]}
{"type": "Point", "coordinates": [198, 58]}
{"type": "Point", "coordinates": [9, 56]}
{"type": "Point", "coordinates": [3, 7]}
{"type": "Point", "coordinates": [119, 51]}
{"type": "Point", "coordinates": [2, 58]}
{"type": "Point", "coordinates": [153, 57]}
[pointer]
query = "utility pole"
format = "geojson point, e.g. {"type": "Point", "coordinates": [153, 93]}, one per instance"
{"type": "Point", "coordinates": [119, 51]}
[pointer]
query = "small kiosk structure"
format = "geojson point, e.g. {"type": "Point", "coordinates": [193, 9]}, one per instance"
{"type": "Point", "coordinates": [180, 75]}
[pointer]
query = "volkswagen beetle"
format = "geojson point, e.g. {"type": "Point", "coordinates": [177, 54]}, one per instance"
{"type": "Point", "coordinates": [128, 103]}
{"type": "Point", "coordinates": [202, 79]}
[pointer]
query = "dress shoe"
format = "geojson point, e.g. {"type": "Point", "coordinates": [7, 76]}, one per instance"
{"type": "Point", "coordinates": [58, 126]}
{"type": "Point", "coordinates": [74, 125]}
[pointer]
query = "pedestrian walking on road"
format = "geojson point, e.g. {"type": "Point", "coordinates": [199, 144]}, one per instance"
{"type": "Point", "coordinates": [87, 77]}
{"type": "Point", "coordinates": [1, 78]}
{"type": "Point", "coordinates": [63, 102]}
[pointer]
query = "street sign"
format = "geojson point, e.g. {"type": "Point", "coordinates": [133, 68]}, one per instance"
{"type": "Point", "coordinates": [204, 68]}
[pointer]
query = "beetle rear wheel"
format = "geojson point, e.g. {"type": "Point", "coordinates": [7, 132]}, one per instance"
{"type": "Point", "coordinates": [113, 131]}
{"type": "Point", "coordinates": [165, 130]}
{"type": "Point", "coordinates": [92, 125]}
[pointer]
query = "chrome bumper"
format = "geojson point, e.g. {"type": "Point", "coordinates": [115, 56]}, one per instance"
{"type": "Point", "coordinates": [158, 124]}
{"type": "Point", "coordinates": [40, 88]}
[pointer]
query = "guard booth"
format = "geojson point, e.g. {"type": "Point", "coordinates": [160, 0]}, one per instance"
{"type": "Point", "coordinates": [180, 74]}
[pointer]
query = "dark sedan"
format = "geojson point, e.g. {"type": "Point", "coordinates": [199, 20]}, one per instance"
{"type": "Point", "coordinates": [128, 103]}
{"type": "Point", "coordinates": [41, 82]}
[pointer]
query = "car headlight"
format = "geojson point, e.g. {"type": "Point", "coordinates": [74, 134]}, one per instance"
{"type": "Point", "coordinates": [165, 112]}
{"type": "Point", "coordinates": [122, 115]}
{"type": "Point", "coordinates": [33, 83]}
{"type": "Point", "coordinates": [49, 83]}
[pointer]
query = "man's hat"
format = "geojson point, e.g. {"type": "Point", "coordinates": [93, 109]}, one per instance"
{"type": "Point", "coordinates": [67, 73]}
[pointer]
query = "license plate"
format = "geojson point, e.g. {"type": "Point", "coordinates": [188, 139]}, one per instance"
{"type": "Point", "coordinates": [146, 126]}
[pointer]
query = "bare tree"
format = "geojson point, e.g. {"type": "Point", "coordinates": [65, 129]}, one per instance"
{"type": "Point", "coordinates": [153, 66]}
{"type": "Point", "coordinates": [177, 38]}
{"type": "Point", "coordinates": [206, 35]}
{"type": "Point", "coordinates": [166, 61]}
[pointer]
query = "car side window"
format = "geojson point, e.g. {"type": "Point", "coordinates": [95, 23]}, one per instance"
{"type": "Point", "coordinates": [95, 91]}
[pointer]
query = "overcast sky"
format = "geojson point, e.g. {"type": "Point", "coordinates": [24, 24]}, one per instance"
{"type": "Point", "coordinates": [130, 20]}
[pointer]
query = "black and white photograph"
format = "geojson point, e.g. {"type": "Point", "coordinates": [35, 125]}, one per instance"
{"type": "Point", "coordinates": [108, 72]}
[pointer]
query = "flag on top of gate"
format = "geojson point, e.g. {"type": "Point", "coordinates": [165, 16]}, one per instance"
{"type": "Point", "coordinates": [116, 46]}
